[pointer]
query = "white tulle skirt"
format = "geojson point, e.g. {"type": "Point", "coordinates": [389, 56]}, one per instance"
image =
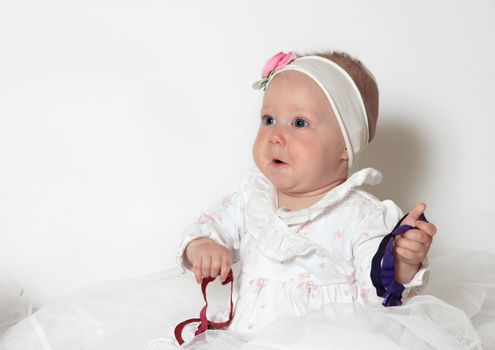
{"type": "Point", "coordinates": [456, 311]}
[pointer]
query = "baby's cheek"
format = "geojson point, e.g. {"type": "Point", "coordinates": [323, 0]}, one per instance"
{"type": "Point", "coordinates": [257, 148]}
{"type": "Point", "coordinates": [257, 156]}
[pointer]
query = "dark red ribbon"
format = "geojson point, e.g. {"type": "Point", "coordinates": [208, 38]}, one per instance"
{"type": "Point", "coordinates": [204, 322]}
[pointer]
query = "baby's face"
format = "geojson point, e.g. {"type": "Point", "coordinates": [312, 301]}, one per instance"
{"type": "Point", "coordinates": [299, 146]}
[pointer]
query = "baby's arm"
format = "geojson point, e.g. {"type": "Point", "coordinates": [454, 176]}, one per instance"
{"type": "Point", "coordinates": [210, 246]}
{"type": "Point", "coordinates": [379, 220]}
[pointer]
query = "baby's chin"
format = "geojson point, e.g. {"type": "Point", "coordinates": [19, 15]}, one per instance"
{"type": "Point", "coordinates": [291, 184]}
{"type": "Point", "coordinates": [284, 182]}
{"type": "Point", "coordinates": [283, 178]}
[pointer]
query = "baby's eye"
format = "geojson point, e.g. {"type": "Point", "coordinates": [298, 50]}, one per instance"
{"type": "Point", "coordinates": [300, 123]}
{"type": "Point", "coordinates": [268, 120]}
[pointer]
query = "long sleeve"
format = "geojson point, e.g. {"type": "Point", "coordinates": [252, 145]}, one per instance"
{"type": "Point", "coordinates": [223, 224]}
{"type": "Point", "coordinates": [378, 221]}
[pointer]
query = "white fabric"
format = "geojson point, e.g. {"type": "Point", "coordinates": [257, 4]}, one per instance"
{"type": "Point", "coordinates": [141, 313]}
{"type": "Point", "coordinates": [293, 262]}
{"type": "Point", "coordinates": [343, 95]}
{"type": "Point", "coordinates": [317, 296]}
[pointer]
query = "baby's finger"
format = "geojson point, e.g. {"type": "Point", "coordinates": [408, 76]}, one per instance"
{"type": "Point", "coordinates": [410, 244]}
{"type": "Point", "coordinates": [417, 235]}
{"type": "Point", "coordinates": [205, 266]}
{"type": "Point", "coordinates": [408, 256]}
{"type": "Point", "coordinates": [414, 215]}
{"type": "Point", "coordinates": [427, 227]}
{"type": "Point", "coordinates": [197, 270]}
{"type": "Point", "coordinates": [216, 261]}
{"type": "Point", "coordinates": [226, 263]}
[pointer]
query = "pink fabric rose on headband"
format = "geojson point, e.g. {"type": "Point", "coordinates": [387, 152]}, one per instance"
{"type": "Point", "coordinates": [276, 62]}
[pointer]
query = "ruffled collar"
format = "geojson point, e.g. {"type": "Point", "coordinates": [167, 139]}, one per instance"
{"type": "Point", "coordinates": [270, 226]}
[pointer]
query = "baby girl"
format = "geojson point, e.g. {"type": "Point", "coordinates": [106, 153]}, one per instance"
{"type": "Point", "coordinates": [303, 229]}
{"type": "Point", "coordinates": [319, 255]}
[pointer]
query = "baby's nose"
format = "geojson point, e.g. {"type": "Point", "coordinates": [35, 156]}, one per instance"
{"type": "Point", "coordinates": [277, 137]}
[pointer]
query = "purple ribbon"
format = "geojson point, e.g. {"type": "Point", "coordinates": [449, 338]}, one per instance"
{"type": "Point", "coordinates": [383, 267]}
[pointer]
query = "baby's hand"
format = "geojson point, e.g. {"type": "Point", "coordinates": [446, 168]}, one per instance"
{"type": "Point", "coordinates": [412, 246]}
{"type": "Point", "coordinates": [209, 259]}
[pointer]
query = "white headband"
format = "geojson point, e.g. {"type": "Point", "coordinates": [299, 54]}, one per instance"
{"type": "Point", "coordinates": [344, 97]}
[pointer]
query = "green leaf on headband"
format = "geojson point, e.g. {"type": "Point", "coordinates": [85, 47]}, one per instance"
{"type": "Point", "coordinates": [260, 84]}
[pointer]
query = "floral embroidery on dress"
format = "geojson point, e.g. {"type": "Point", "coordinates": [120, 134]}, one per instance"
{"type": "Point", "coordinates": [339, 234]}
{"type": "Point", "coordinates": [352, 287]}
{"type": "Point", "coordinates": [303, 275]}
{"type": "Point", "coordinates": [205, 218]}
{"type": "Point", "coordinates": [227, 201]}
{"type": "Point", "coordinates": [257, 285]}
{"type": "Point", "coordinates": [365, 293]}
{"type": "Point", "coordinates": [306, 285]}
{"type": "Point", "coordinates": [351, 279]}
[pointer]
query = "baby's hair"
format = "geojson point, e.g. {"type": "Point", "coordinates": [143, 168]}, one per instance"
{"type": "Point", "coordinates": [364, 80]}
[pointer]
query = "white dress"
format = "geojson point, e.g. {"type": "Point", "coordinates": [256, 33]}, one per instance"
{"type": "Point", "coordinates": [303, 283]}
{"type": "Point", "coordinates": [294, 262]}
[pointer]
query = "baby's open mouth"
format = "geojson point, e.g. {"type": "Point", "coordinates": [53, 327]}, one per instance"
{"type": "Point", "coordinates": [278, 161]}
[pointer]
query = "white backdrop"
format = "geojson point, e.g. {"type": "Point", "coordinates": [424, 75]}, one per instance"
{"type": "Point", "coordinates": [120, 121]}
